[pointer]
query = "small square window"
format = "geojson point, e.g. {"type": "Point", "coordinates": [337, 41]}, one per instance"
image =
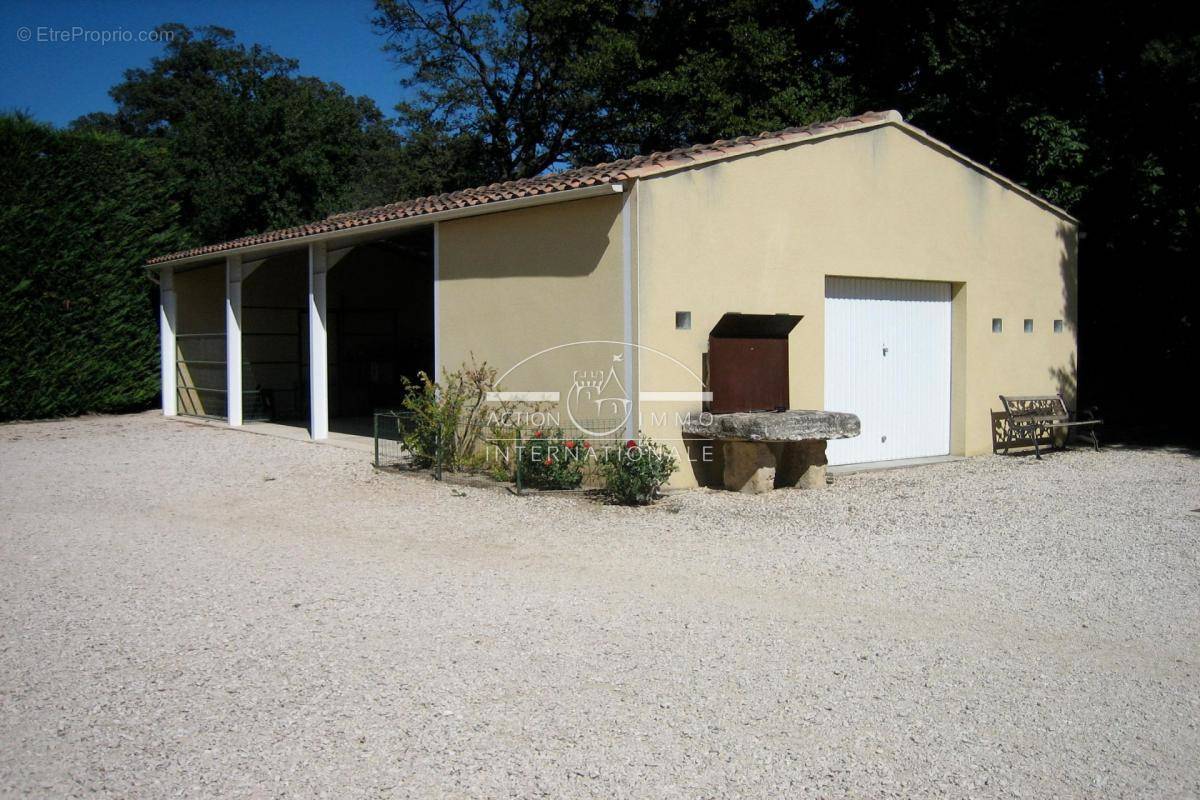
{"type": "Point", "coordinates": [683, 320]}
{"type": "Point", "coordinates": [1058, 328]}
{"type": "Point", "coordinates": [997, 325]}
{"type": "Point", "coordinates": [1029, 326]}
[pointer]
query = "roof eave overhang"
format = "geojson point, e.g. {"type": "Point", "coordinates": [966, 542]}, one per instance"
{"type": "Point", "coordinates": [376, 230]}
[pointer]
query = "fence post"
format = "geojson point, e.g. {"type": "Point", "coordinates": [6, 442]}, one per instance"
{"type": "Point", "coordinates": [375, 419]}
{"type": "Point", "coordinates": [517, 460]}
{"type": "Point", "coordinates": [437, 455]}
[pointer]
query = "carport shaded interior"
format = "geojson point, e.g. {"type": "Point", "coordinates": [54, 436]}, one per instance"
{"type": "Point", "coordinates": [380, 329]}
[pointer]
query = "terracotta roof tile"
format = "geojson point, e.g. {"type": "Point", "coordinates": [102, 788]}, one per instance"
{"type": "Point", "coordinates": [607, 173]}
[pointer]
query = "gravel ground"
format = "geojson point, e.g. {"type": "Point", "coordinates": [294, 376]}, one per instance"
{"type": "Point", "coordinates": [190, 611]}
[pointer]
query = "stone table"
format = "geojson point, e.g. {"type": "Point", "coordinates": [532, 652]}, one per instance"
{"type": "Point", "coordinates": [769, 449]}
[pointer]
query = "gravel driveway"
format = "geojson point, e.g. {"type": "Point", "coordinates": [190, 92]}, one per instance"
{"type": "Point", "coordinates": [190, 611]}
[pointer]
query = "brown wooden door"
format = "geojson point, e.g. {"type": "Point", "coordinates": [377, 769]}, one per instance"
{"type": "Point", "coordinates": [748, 374]}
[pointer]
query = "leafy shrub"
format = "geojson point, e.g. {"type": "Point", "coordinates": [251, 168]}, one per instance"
{"type": "Point", "coordinates": [548, 460]}
{"type": "Point", "coordinates": [635, 472]}
{"type": "Point", "coordinates": [447, 420]}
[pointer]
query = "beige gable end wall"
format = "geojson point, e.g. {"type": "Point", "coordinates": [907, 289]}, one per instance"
{"type": "Point", "coordinates": [516, 283]}
{"type": "Point", "coordinates": [759, 234]}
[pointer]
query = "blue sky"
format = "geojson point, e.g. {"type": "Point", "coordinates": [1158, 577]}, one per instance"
{"type": "Point", "coordinates": [59, 81]}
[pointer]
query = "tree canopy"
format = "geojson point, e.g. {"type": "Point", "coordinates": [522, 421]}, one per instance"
{"type": "Point", "coordinates": [540, 83]}
{"type": "Point", "coordinates": [254, 145]}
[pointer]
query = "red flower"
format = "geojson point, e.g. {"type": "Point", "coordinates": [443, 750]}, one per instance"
{"type": "Point", "coordinates": [548, 461]}
{"type": "Point", "coordinates": [537, 435]}
{"type": "Point", "coordinates": [587, 445]}
{"type": "Point", "coordinates": [630, 444]}
{"type": "Point", "coordinates": [570, 444]}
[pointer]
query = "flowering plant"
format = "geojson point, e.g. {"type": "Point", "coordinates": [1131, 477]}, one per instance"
{"type": "Point", "coordinates": [633, 474]}
{"type": "Point", "coordinates": [549, 460]}
{"type": "Point", "coordinates": [445, 421]}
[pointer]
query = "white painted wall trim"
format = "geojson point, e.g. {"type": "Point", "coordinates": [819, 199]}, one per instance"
{"type": "Point", "coordinates": [631, 423]}
{"type": "Point", "coordinates": [318, 347]}
{"type": "Point", "coordinates": [437, 301]}
{"type": "Point", "coordinates": [637, 284]}
{"type": "Point", "coordinates": [166, 342]}
{"type": "Point", "coordinates": [233, 339]}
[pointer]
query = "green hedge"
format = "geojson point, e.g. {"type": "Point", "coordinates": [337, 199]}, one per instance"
{"type": "Point", "coordinates": [81, 213]}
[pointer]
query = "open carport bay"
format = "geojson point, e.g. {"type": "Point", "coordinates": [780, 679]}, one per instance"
{"type": "Point", "coordinates": [379, 323]}
{"type": "Point", "coordinates": [273, 618]}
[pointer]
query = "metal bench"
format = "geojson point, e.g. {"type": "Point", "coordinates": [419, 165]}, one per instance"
{"type": "Point", "coordinates": [1032, 417]}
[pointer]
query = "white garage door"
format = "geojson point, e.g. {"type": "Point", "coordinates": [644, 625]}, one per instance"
{"type": "Point", "coordinates": [887, 359]}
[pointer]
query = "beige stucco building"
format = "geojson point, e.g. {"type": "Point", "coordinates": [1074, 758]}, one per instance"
{"type": "Point", "coordinates": [924, 283]}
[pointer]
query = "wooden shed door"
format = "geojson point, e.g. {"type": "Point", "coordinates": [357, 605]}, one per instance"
{"type": "Point", "coordinates": [748, 374]}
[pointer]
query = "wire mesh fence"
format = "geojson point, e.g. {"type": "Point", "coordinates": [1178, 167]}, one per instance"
{"type": "Point", "coordinates": [503, 448]}
{"type": "Point", "coordinates": [390, 448]}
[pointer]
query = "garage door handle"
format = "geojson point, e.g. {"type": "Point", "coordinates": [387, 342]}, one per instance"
{"type": "Point", "coordinates": [885, 349]}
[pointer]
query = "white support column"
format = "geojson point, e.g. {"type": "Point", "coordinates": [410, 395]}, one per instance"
{"type": "Point", "coordinates": [631, 422]}
{"type": "Point", "coordinates": [233, 339]}
{"type": "Point", "coordinates": [166, 341]}
{"type": "Point", "coordinates": [437, 303]}
{"type": "Point", "coordinates": [318, 348]}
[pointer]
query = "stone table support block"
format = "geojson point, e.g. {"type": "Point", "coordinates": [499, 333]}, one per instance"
{"type": "Point", "coordinates": [801, 464]}
{"type": "Point", "coordinates": [757, 467]}
{"type": "Point", "coordinates": [749, 467]}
